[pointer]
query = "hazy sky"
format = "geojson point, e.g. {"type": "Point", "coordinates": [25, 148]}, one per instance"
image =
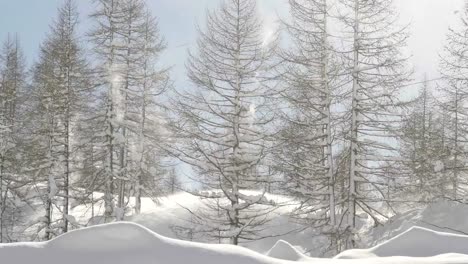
{"type": "Point", "coordinates": [30, 19]}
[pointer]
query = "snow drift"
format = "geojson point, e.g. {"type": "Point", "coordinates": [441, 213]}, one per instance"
{"type": "Point", "coordinates": [443, 216]}
{"type": "Point", "coordinates": [123, 243]}
{"type": "Point", "coordinates": [416, 242]}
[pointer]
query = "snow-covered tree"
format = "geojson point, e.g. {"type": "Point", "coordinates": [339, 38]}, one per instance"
{"type": "Point", "coordinates": [453, 63]}
{"type": "Point", "coordinates": [147, 168]}
{"type": "Point", "coordinates": [423, 147]}
{"type": "Point", "coordinates": [223, 125]}
{"type": "Point", "coordinates": [306, 156]}
{"type": "Point", "coordinates": [128, 44]}
{"type": "Point", "coordinates": [109, 19]}
{"type": "Point", "coordinates": [12, 83]}
{"type": "Point", "coordinates": [377, 69]}
{"type": "Point", "coordinates": [61, 83]}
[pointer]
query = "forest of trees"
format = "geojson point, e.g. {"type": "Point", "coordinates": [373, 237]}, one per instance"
{"type": "Point", "coordinates": [318, 113]}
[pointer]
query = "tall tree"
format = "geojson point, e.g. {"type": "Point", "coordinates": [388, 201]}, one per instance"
{"type": "Point", "coordinates": [453, 61]}
{"type": "Point", "coordinates": [310, 77]}
{"type": "Point", "coordinates": [223, 123]}
{"type": "Point", "coordinates": [148, 172]}
{"type": "Point", "coordinates": [377, 69]}
{"type": "Point", "coordinates": [62, 81]}
{"type": "Point", "coordinates": [109, 18]}
{"type": "Point", "coordinates": [128, 45]}
{"type": "Point", "coordinates": [12, 82]}
{"type": "Point", "coordinates": [423, 147]}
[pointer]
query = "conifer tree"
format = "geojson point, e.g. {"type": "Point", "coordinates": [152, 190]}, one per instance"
{"type": "Point", "coordinates": [377, 69]}
{"type": "Point", "coordinates": [223, 123]}
{"type": "Point", "coordinates": [310, 78]}
{"type": "Point", "coordinates": [12, 84]}
{"type": "Point", "coordinates": [61, 83]}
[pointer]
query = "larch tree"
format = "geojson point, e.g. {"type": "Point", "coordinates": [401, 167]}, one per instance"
{"type": "Point", "coordinates": [310, 78]}
{"type": "Point", "coordinates": [61, 83]}
{"type": "Point", "coordinates": [223, 124]}
{"type": "Point", "coordinates": [377, 69]}
{"type": "Point", "coordinates": [108, 18]}
{"type": "Point", "coordinates": [12, 83]}
{"type": "Point", "coordinates": [453, 63]}
{"type": "Point", "coordinates": [423, 147]}
{"type": "Point", "coordinates": [132, 32]}
{"type": "Point", "coordinates": [128, 44]}
{"type": "Point", "coordinates": [147, 115]}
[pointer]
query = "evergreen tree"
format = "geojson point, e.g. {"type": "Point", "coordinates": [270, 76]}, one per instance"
{"type": "Point", "coordinates": [109, 19]}
{"type": "Point", "coordinates": [453, 61]}
{"type": "Point", "coordinates": [378, 68]}
{"type": "Point", "coordinates": [310, 76]}
{"type": "Point", "coordinates": [61, 84]}
{"type": "Point", "coordinates": [128, 45]}
{"type": "Point", "coordinates": [223, 123]}
{"type": "Point", "coordinates": [12, 84]}
{"type": "Point", "coordinates": [423, 148]}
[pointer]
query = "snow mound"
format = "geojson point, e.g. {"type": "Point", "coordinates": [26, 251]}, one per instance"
{"type": "Point", "coordinates": [110, 237]}
{"type": "Point", "coordinates": [123, 243]}
{"type": "Point", "coordinates": [172, 211]}
{"type": "Point", "coordinates": [443, 216]}
{"type": "Point", "coordinates": [286, 251]}
{"type": "Point", "coordinates": [416, 242]}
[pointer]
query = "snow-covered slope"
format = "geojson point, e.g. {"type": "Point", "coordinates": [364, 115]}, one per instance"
{"type": "Point", "coordinates": [444, 216]}
{"type": "Point", "coordinates": [171, 212]}
{"type": "Point", "coordinates": [416, 242]}
{"type": "Point", "coordinates": [160, 218]}
{"type": "Point", "coordinates": [124, 243]}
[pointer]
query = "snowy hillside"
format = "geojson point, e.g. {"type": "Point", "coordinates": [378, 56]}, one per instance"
{"type": "Point", "coordinates": [172, 211]}
{"type": "Point", "coordinates": [416, 242]}
{"type": "Point", "coordinates": [295, 242]}
{"type": "Point", "coordinates": [442, 216]}
{"type": "Point", "coordinates": [121, 243]}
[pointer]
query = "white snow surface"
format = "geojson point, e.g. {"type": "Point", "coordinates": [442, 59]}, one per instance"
{"type": "Point", "coordinates": [286, 251]}
{"type": "Point", "coordinates": [448, 242]}
{"type": "Point", "coordinates": [122, 243]}
{"type": "Point", "coordinates": [172, 211]}
{"type": "Point", "coordinates": [443, 216]}
{"type": "Point", "coordinates": [447, 217]}
{"type": "Point", "coordinates": [416, 242]}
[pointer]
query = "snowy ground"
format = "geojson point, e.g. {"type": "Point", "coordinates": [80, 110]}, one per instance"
{"type": "Point", "coordinates": [160, 218]}
{"type": "Point", "coordinates": [121, 243]}
{"type": "Point", "coordinates": [396, 242]}
{"type": "Point", "coordinates": [170, 212]}
{"type": "Point", "coordinates": [442, 216]}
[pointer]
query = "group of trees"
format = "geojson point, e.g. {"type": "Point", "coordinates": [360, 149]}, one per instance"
{"type": "Point", "coordinates": [260, 113]}
{"type": "Point", "coordinates": [71, 128]}
{"type": "Point", "coordinates": [434, 130]}
{"type": "Point", "coordinates": [321, 119]}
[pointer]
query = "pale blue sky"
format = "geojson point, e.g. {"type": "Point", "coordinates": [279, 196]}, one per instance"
{"type": "Point", "coordinates": [31, 18]}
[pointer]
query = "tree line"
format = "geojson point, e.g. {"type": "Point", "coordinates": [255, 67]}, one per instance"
{"type": "Point", "coordinates": [322, 117]}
